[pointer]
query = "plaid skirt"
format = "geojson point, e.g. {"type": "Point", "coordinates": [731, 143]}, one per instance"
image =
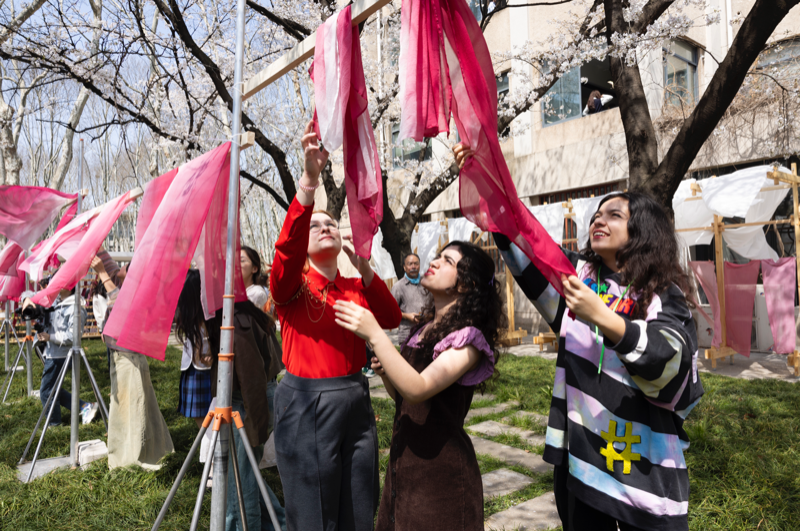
{"type": "Point", "coordinates": [194, 397]}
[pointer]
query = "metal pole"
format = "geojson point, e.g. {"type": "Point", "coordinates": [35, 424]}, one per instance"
{"type": "Point", "coordinates": [28, 355]}
{"type": "Point", "coordinates": [75, 407]}
{"type": "Point", "coordinates": [219, 493]}
{"type": "Point", "coordinates": [7, 324]}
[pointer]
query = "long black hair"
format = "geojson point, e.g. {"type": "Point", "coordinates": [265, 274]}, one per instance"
{"type": "Point", "coordinates": [650, 260]}
{"type": "Point", "coordinates": [259, 278]}
{"type": "Point", "coordinates": [189, 316]}
{"type": "Point", "coordinates": [478, 304]}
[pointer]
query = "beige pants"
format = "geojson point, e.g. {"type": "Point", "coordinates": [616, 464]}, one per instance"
{"type": "Point", "coordinates": [137, 432]}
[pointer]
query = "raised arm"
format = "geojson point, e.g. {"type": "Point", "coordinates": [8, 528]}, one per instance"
{"type": "Point", "coordinates": [292, 245]}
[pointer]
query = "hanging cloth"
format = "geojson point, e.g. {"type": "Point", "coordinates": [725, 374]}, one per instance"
{"type": "Point", "coordinates": [460, 229]}
{"type": "Point", "coordinates": [552, 219]}
{"type": "Point", "coordinates": [740, 296]}
{"type": "Point", "coordinates": [341, 118]}
{"type": "Point", "coordinates": [584, 209]}
{"type": "Point", "coordinates": [76, 267]}
{"type": "Point", "coordinates": [189, 221]}
{"type": "Point", "coordinates": [8, 259]}
{"type": "Point", "coordinates": [427, 243]}
{"type": "Point", "coordinates": [780, 277]}
{"type": "Point", "coordinates": [707, 276]}
{"type": "Point", "coordinates": [27, 211]}
{"type": "Point", "coordinates": [446, 67]}
{"type": "Point", "coordinates": [383, 260]}
{"type": "Point", "coordinates": [12, 285]}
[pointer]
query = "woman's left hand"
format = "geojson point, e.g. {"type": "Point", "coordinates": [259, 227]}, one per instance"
{"type": "Point", "coordinates": [358, 320]}
{"type": "Point", "coordinates": [582, 301]}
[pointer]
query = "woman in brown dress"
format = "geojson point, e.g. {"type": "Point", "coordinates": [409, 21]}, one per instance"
{"type": "Point", "coordinates": [433, 481]}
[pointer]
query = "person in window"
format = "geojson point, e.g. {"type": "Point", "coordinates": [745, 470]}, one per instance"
{"type": "Point", "coordinates": [325, 435]}
{"type": "Point", "coordinates": [596, 102]}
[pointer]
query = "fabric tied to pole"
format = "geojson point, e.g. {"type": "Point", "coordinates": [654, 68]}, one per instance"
{"type": "Point", "coordinates": [183, 217]}
{"type": "Point", "coordinates": [779, 279]}
{"type": "Point", "coordinates": [8, 259]}
{"type": "Point", "coordinates": [740, 296]}
{"type": "Point", "coordinates": [445, 67]}
{"type": "Point", "coordinates": [341, 118]}
{"type": "Point", "coordinates": [27, 211]}
{"type": "Point", "coordinates": [707, 276]}
{"type": "Point", "coordinates": [76, 267]}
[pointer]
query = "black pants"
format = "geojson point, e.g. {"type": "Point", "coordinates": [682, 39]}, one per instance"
{"type": "Point", "coordinates": [326, 446]}
{"type": "Point", "coordinates": [576, 515]}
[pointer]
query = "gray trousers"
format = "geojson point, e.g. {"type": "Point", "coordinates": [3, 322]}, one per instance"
{"type": "Point", "coordinates": [326, 445]}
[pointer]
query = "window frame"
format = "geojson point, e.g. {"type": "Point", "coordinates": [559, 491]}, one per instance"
{"type": "Point", "coordinates": [667, 52]}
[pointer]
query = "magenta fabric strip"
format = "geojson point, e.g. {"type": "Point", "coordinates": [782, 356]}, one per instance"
{"type": "Point", "coordinates": [8, 259]}
{"type": "Point", "coordinates": [12, 285]}
{"type": "Point", "coordinates": [192, 209]}
{"type": "Point", "coordinates": [27, 211]}
{"type": "Point", "coordinates": [341, 118]}
{"type": "Point", "coordinates": [779, 280]}
{"type": "Point", "coordinates": [76, 267]}
{"type": "Point", "coordinates": [740, 296]}
{"type": "Point", "coordinates": [707, 276]}
{"type": "Point", "coordinates": [445, 66]}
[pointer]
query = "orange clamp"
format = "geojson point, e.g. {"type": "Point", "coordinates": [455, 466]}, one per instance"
{"type": "Point", "coordinates": [237, 420]}
{"type": "Point", "coordinates": [226, 357]}
{"type": "Point", "coordinates": [208, 419]}
{"type": "Point", "coordinates": [228, 296]}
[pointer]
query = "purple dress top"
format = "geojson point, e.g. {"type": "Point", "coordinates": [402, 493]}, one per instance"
{"type": "Point", "coordinates": [459, 339]}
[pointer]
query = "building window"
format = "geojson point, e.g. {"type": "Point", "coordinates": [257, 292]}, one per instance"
{"type": "Point", "coordinates": [408, 149]}
{"type": "Point", "coordinates": [502, 85]}
{"type": "Point", "coordinates": [475, 7]}
{"type": "Point", "coordinates": [569, 97]}
{"type": "Point", "coordinates": [570, 229]}
{"type": "Point", "coordinates": [784, 55]}
{"type": "Point", "coordinates": [680, 74]}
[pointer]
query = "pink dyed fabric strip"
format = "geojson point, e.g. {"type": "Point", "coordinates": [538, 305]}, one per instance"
{"type": "Point", "coordinates": [341, 118]}
{"type": "Point", "coordinates": [707, 276]}
{"type": "Point", "coordinates": [740, 296]}
{"type": "Point", "coordinates": [27, 211]}
{"type": "Point", "coordinates": [77, 266]}
{"type": "Point", "coordinates": [445, 66]}
{"type": "Point", "coordinates": [12, 286]}
{"type": "Point", "coordinates": [778, 277]}
{"type": "Point", "coordinates": [460, 339]}
{"type": "Point", "coordinates": [191, 211]}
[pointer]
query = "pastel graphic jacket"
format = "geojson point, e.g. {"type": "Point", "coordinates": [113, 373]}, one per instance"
{"type": "Point", "coordinates": [620, 432]}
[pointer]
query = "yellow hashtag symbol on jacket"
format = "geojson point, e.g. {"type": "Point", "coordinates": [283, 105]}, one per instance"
{"type": "Point", "coordinates": [611, 453]}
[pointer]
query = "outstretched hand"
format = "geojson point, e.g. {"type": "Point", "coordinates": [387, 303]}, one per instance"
{"type": "Point", "coordinates": [315, 156]}
{"type": "Point", "coordinates": [97, 265]}
{"type": "Point", "coordinates": [357, 319]}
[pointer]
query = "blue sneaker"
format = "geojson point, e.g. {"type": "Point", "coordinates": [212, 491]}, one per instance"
{"type": "Point", "coordinates": [89, 412]}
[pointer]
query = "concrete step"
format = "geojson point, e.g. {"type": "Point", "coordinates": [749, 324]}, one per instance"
{"type": "Point", "coordinates": [492, 428]}
{"type": "Point", "coordinates": [379, 392]}
{"type": "Point", "coordinates": [499, 408]}
{"type": "Point", "coordinates": [503, 481]}
{"type": "Point", "coordinates": [511, 455]}
{"type": "Point", "coordinates": [539, 514]}
{"type": "Point", "coordinates": [375, 381]}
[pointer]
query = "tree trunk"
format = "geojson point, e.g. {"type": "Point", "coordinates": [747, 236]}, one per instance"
{"type": "Point", "coordinates": [65, 159]}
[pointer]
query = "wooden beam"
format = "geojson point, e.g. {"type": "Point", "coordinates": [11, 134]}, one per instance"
{"type": "Point", "coordinates": [361, 11]}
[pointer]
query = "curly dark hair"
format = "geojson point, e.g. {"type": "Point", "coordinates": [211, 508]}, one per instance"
{"type": "Point", "coordinates": [479, 302]}
{"type": "Point", "coordinates": [650, 261]}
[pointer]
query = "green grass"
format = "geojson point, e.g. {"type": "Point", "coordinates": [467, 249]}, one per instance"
{"type": "Point", "coordinates": [744, 462]}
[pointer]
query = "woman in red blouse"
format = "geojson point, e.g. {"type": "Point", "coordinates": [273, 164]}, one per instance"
{"type": "Point", "coordinates": [325, 438]}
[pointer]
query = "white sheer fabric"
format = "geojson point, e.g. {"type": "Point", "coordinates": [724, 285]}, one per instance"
{"type": "Point", "coordinates": [552, 219]}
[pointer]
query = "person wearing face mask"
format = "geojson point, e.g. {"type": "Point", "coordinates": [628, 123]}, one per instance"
{"type": "Point", "coordinates": [626, 372]}
{"type": "Point", "coordinates": [410, 295]}
{"type": "Point", "coordinates": [433, 480]}
{"type": "Point", "coordinates": [325, 437]}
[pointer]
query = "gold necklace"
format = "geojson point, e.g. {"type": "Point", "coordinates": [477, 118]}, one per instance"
{"type": "Point", "coordinates": [314, 302]}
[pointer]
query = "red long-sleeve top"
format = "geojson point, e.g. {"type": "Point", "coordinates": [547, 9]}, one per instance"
{"type": "Point", "coordinates": [314, 346]}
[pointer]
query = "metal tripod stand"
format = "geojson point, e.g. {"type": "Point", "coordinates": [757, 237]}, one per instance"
{"type": "Point", "coordinates": [52, 403]}
{"type": "Point", "coordinates": [220, 422]}
{"type": "Point", "coordinates": [26, 347]}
